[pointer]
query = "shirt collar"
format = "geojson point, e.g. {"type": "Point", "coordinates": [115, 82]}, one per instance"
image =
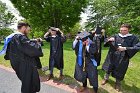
{"type": "Point", "coordinates": [17, 32]}
{"type": "Point", "coordinates": [53, 35]}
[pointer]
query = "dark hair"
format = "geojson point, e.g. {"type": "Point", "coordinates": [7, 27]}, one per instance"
{"type": "Point", "coordinates": [85, 38]}
{"type": "Point", "coordinates": [126, 25]}
{"type": "Point", "coordinates": [21, 24]}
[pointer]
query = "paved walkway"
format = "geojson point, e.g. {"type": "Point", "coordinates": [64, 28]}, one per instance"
{"type": "Point", "coordinates": [9, 83]}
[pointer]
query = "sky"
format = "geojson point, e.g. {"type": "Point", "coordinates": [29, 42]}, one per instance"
{"type": "Point", "coordinates": [15, 12]}
{"type": "Point", "coordinates": [83, 18]}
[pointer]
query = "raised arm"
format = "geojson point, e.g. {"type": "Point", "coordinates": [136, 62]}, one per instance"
{"type": "Point", "coordinates": [46, 36]}
{"type": "Point", "coordinates": [30, 48]}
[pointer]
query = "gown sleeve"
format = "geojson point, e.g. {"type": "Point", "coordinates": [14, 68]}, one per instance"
{"type": "Point", "coordinates": [92, 50]}
{"type": "Point", "coordinates": [32, 49]}
{"type": "Point", "coordinates": [63, 39]}
{"type": "Point", "coordinates": [136, 47]}
{"type": "Point", "coordinates": [133, 51]}
{"type": "Point", "coordinates": [107, 43]}
{"type": "Point", "coordinates": [74, 44]}
{"type": "Point", "coordinates": [47, 38]}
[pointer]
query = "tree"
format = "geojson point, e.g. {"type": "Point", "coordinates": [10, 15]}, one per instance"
{"type": "Point", "coordinates": [6, 19]}
{"type": "Point", "coordinates": [130, 13]}
{"type": "Point", "coordinates": [5, 32]}
{"type": "Point", "coordinates": [77, 27]}
{"type": "Point", "coordinates": [44, 13]}
{"type": "Point", "coordinates": [112, 13]}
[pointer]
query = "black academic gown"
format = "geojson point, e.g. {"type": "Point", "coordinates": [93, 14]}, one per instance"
{"type": "Point", "coordinates": [98, 41]}
{"type": "Point", "coordinates": [117, 62]}
{"type": "Point", "coordinates": [22, 54]}
{"type": "Point", "coordinates": [90, 70]}
{"type": "Point", "coordinates": [98, 38]}
{"type": "Point", "coordinates": [57, 55]}
{"type": "Point", "coordinates": [38, 63]}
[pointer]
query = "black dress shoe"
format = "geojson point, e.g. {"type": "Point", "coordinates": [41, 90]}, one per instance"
{"type": "Point", "coordinates": [50, 77]}
{"type": "Point", "coordinates": [61, 77]}
{"type": "Point", "coordinates": [117, 87]}
{"type": "Point", "coordinates": [104, 81]}
{"type": "Point", "coordinates": [82, 89]}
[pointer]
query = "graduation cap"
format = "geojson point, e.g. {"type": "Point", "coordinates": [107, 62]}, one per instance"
{"type": "Point", "coordinates": [57, 30]}
{"type": "Point", "coordinates": [54, 29]}
{"type": "Point", "coordinates": [83, 35]}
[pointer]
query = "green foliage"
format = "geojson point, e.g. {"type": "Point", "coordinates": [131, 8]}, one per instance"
{"type": "Point", "coordinates": [110, 14]}
{"type": "Point", "coordinates": [5, 32]}
{"type": "Point", "coordinates": [75, 29]}
{"type": "Point", "coordinates": [130, 13]}
{"type": "Point", "coordinates": [6, 19]}
{"type": "Point", "coordinates": [36, 33]}
{"type": "Point", "coordinates": [44, 13]}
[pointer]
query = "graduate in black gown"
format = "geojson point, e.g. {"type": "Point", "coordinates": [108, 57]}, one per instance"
{"type": "Point", "coordinates": [117, 62]}
{"type": "Point", "coordinates": [86, 65]}
{"type": "Point", "coordinates": [56, 39]}
{"type": "Point", "coordinates": [22, 53]}
{"type": "Point", "coordinates": [98, 36]}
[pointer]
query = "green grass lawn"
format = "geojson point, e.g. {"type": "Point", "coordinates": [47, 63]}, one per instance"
{"type": "Point", "coordinates": [131, 83]}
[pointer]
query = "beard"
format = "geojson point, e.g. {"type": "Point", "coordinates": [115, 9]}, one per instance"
{"type": "Point", "coordinates": [25, 32]}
